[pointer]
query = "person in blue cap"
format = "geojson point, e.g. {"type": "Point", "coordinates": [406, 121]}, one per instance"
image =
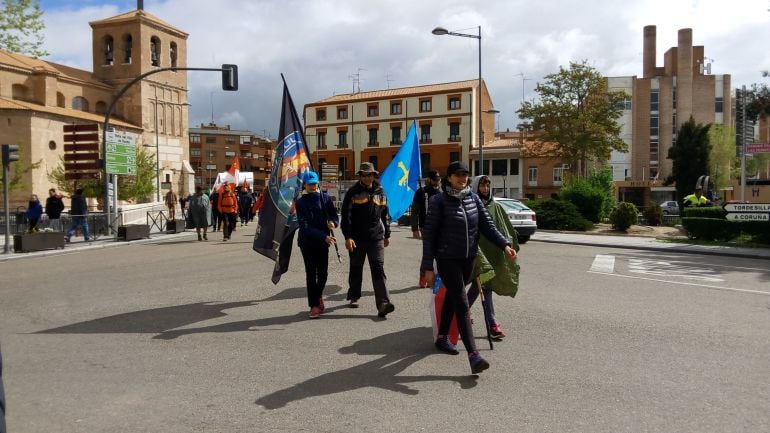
{"type": "Point", "coordinates": [316, 217]}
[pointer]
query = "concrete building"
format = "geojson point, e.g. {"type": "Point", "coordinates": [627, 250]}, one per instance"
{"type": "Point", "coordinates": [213, 149]}
{"type": "Point", "coordinates": [37, 98]}
{"type": "Point", "coordinates": [345, 130]}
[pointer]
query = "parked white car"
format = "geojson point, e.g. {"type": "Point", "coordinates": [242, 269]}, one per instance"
{"type": "Point", "coordinates": [523, 219]}
{"type": "Point", "coordinates": [670, 208]}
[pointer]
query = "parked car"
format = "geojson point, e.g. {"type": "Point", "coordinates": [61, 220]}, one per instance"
{"type": "Point", "coordinates": [670, 208]}
{"type": "Point", "coordinates": [523, 219]}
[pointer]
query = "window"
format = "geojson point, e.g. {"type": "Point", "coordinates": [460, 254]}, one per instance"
{"type": "Point", "coordinates": [558, 174]}
{"type": "Point", "coordinates": [454, 103]}
{"type": "Point", "coordinates": [654, 148]}
{"type": "Point", "coordinates": [425, 133]}
{"type": "Point", "coordinates": [395, 135]}
{"type": "Point", "coordinates": [172, 52]}
{"type": "Point", "coordinates": [372, 137]}
{"type": "Point", "coordinates": [342, 165]}
{"type": "Point", "coordinates": [454, 131]}
{"type": "Point", "coordinates": [194, 151]}
{"type": "Point", "coordinates": [425, 105]}
{"type": "Point", "coordinates": [718, 105]}
{"type": "Point", "coordinates": [476, 167]}
{"type": "Point", "coordinates": [514, 167]}
{"type": "Point", "coordinates": [108, 50]}
{"type": "Point", "coordinates": [211, 140]}
{"type": "Point", "coordinates": [128, 41]}
{"type": "Point", "coordinates": [673, 98]}
{"type": "Point", "coordinates": [342, 112]}
{"type": "Point", "coordinates": [653, 173]}
{"type": "Point", "coordinates": [155, 51]}
{"type": "Point", "coordinates": [654, 100]}
{"type": "Point", "coordinates": [229, 140]}
{"type": "Point", "coordinates": [372, 109]}
{"type": "Point", "coordinates": [212, 154]}
{"type": "Point", "coordinates": [320, 114]}
{"type": "Point", "coordinates": [454, 156]}
{"type": "Point", "coordinates": [343, 139]}
{"type": "Point", "coordinates": [245, 139]}
{"type": "Point", "coordinates": [80, 103]}
{"type": "Point", "coordinates": [198, 180]}
{"type": "Point", "coordinates": [229, 153]}
{"type": "Point", "coordinates": [321, 140]}
{"type": "Point", "coordinates": [195, 138]}
{"type": "Point", "coordinates": [532, 176]}
{"type": "Point", "coordinates": [425, 163]}
{"type": "Point", "coordinates": [395, 107]}
{"type": "Point", "coordinates": [653, 126]}
{"type": "Point", "coordinates": [373, 160]}
{"type": "Point", "coordinates": [499, 167]}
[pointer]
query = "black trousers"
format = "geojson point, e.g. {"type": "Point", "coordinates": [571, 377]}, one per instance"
{"type": "Point", "coordinates": [456, 274]}
{"type": "Point", "coordinates": [229, 224]}
{"type": "Point", "coordinates": [215, 219]}
{"type": "Point", "coordinates": [316, 271]}
{"type": "Point", "coordinates": [375, 251]}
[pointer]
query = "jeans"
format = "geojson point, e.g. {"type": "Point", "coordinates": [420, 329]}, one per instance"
{"type": "Point", "coordinates": [79, 221]}
{"type": "Point", "coordinates": [375, 251]}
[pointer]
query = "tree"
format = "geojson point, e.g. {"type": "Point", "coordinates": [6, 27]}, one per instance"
{"type": "Point", "coordinates": [21, 27]}
{"type": "Point", "coordinates": [722, 154]}
{"type": "Point", "coordinates": [690, 156]}
{"type": "Point", "coordinates": [577, 115]}
{"type": "Point", "coordinates": [137, 188]}
{"type": "Point", "coordinates": [17, 170]}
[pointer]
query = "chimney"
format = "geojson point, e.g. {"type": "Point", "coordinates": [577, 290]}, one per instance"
{"type": "Point", "coordinates": [648, 60]}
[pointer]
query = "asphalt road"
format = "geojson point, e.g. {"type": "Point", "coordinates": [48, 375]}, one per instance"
{"type": "Point", "coordinates": [190, 336]}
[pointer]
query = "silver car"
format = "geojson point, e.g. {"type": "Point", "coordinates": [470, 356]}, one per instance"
{"type": "Point", "coordinates": [523, 219]}
{"type": "Point", "coordinates": [670, 208]}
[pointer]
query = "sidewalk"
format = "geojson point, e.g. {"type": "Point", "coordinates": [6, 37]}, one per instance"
{"type": "Point", "coordinates": [647, 243]}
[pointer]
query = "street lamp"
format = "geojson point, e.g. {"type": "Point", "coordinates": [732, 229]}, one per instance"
{"type": "Point", "coordinates": [440, 31]}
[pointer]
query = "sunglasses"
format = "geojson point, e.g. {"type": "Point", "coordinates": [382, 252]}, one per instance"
{"type": "Point", "coordinates": [366, 174]}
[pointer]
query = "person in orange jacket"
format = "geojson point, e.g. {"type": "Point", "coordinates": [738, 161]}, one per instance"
{"type": "Point", "coordinates": [228, 208]}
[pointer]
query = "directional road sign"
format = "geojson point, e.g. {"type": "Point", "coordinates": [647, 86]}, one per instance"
{"type": "Point", "coordinates": [755, 216]}
{"type": "Point", "coordinates": [121, 153]}
{"type": "Point", "coordinates": [747, 207]}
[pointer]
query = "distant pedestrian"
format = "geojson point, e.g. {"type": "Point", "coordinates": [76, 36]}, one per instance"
{"type": "Point", "coordinates": [54, 206]}
{"type": "Point", "coordinates": [245, 201]}
{"type": "Point", "coordinates": [200, 209]}
{"type": "Point", "coordinates": [421, 199]}
{"type": "Point", "coordinates": [215, 215]}
{"type": "Point", "coordinates": [79, 214]}
{"type": "Point", "coordinates": [171, 199]}
{"type": "Point", "coordinates": [455, 219]}
{"type": "Point", "coordinates": [316, 217]}
{"type": "Point", "coordinates": [228, 209]}
{"type": "Point", "coordinates": [366, 227]}
{"type": "Point", "coordinates": [696, 199]}
{"type": "Point", "coordinates": [34, 211]}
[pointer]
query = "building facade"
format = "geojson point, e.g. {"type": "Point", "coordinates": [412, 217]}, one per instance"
{"type": "Point", "coordinates": [38, 98]}
{"type": "Point", "coordinates": [213, 149]}
{"type": "Point", "coordinates": [345, 130]}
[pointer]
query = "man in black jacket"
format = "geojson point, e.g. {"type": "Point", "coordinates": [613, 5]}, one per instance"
{"type": "Point", "coordinates": [420, 203]}
{"type": "Point", "coordinates": [54, 206]}
{"type": "Point", "coordinates": [79, 214]}
{"type": "Point", "coordinates": [366, 227]}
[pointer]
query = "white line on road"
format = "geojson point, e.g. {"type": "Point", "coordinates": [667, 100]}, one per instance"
{"type": "Point", "coordinates": [729, 289]}
{"type": "Point", "coordinates": [603, 264]}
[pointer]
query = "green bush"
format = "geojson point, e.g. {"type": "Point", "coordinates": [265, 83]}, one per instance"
{"type": "Point", "coordinates": [710, 229]}
{"type": "Point", "coordinates": [758, 230]}
{"type": "Point", "coordinates": [558, 215]}
{"type": "Point", "coordinates": [704, 212]}
{"type": "Point", "coordinates": [588, 199]}
{"type": "Point", "coordinates": [624, 216]}
{"type": "Point", "coordinates": [653, 214]}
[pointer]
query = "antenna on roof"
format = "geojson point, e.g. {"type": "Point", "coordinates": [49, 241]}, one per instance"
{"type": "Point", "coordinates": [356, 78]}
{"type": "Point", "coordinates": [388, 79]}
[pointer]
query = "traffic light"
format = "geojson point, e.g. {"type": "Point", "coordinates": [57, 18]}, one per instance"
{"type": "Point", "coordinates": [229, 77]}
{"type": "Point", "coordinates": [10, 154]}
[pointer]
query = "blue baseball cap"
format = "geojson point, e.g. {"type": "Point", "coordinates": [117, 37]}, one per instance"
{"type": "Point", "coordinates": [311, 177]}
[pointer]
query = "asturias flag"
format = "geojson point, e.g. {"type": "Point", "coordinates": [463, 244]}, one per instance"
{"type": "Point", "coordinates": [277, 218]}
{"type": "Point", "coordinates": [401, 178]}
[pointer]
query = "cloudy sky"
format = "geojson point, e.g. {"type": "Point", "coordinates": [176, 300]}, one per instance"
{"type": "Point", "coordinates": [320, 44]}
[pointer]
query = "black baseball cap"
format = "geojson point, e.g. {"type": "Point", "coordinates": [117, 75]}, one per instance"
{"type": "Point", "coordinates": [457, 167]}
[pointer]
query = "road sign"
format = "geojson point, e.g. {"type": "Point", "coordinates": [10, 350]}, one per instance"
{"type": "Point", "coordinates": [750, 216]}
{"type": "Point", "coordinates": [758, 148]}
{"type": "Point", "coordinates": [747, 207]}
{"type": "Point", "coordinates": [121, 153]}
{"type": "Point", "coordinates": [81, 151]}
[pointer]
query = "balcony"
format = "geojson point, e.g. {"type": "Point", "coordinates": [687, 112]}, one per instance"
{"type": "Point", "coordinates": [373, 144]}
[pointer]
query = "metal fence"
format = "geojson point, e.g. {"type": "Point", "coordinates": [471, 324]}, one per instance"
{"type": "Point", "coordinates": [97, 223]}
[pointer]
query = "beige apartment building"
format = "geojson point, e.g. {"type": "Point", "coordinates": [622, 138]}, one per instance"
{"type": "Point", "coordinates": [345, 130]}
{"type": "Point", "coordinates": [213, 149]}
{"type": "Point", "coordinates": [38, 98]}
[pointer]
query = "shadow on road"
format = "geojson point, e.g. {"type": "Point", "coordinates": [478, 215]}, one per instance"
{"type": "Point", "coordinates": [399, 349]}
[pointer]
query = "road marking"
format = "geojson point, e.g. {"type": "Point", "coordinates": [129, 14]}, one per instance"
{"type": "Point", "coordinates": [706, 286]}
{"type": "Point", "coordinates": [603, 264]}
{"type": "Point", "coordinates": [667, 269]}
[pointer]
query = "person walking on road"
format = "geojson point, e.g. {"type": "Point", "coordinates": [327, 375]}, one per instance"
{"type": "Point", "coordinates": [216, 217]}
{"type": "Point", "coordinates": [54, 206]}
{"type": "Point", "coordinates": [366, 227]}
{"type": "Point", "coordinates": [245, 201]}
{"type": "Point", "coordinates": [171, 203]}
{"type": "Point", "coordinates": [228, 209]}
{"type": "Point", "coordinates": [316, 217]}
{"type": "Point", "coordinates": [200, 209]}
{"type": "Point", "coordinates": [79, 214]}
{"type": "Point", "coordinates": [421, 199]}
{"type": "Point", "coordinates": [34, 212]}
{"type": "Point", "coordinates": [455, 219]}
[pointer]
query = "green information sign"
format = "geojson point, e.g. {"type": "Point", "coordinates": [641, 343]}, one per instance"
{"type": "Point", "coordinates": [121, 153]}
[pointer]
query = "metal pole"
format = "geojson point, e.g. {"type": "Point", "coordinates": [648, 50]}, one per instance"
{"type": "Point", "coordinates": [481, 131]}
{"type": "Point", "coordinates": [6, 203]}
{"type": "Point", "coordinates": [743, 144]}
{"type": "Point", "coordinates": [157, 149]}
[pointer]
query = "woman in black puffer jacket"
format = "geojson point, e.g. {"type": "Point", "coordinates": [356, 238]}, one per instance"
{"type": "Point", "coordinates": [455, 219]}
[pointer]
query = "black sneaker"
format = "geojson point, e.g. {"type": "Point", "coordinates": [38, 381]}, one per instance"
{"type": "Point", "coordinates": [478, 364]}
{"type": "Point", "coordinates": [385, 309]}
{"type": "Point", "coordinates": [443, 344]}
{"type": "Point", "coordinates": [353, 303]}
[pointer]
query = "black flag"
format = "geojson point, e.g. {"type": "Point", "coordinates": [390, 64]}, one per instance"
{"type": "Point", "coordinates": [277, 219]}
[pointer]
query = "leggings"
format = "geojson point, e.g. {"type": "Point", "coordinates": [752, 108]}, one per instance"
{"type": "Point", "coordinates": [456, 274]}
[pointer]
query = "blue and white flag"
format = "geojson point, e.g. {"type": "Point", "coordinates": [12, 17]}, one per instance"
{"type": "Point", "coordinates": [402, 176]}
